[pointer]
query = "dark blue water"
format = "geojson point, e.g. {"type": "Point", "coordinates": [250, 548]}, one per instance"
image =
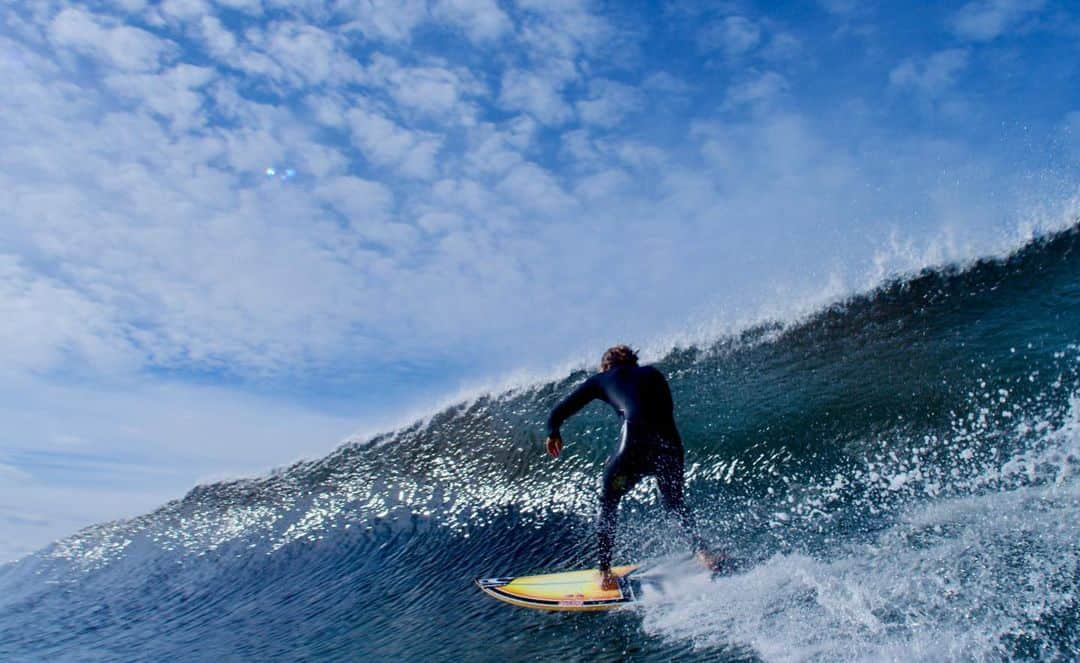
{"type": "Point", "coordinates": [904, 466]}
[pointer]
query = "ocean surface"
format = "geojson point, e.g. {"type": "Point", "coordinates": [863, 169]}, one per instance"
{"type": "Point", "coordinates": [902, 469]}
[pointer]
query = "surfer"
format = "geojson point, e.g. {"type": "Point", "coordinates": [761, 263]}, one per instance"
{"type": "Point", "coordinates": [649, 445]}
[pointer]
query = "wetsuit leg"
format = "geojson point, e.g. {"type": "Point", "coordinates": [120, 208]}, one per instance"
{"type": "Point", "coordinates": [620, 476]}
{"type": "Point", "coordinates": [670, 481]}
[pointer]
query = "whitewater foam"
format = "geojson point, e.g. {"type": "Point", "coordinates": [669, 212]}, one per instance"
{"type": "Point", "coordinates": [982, 575]}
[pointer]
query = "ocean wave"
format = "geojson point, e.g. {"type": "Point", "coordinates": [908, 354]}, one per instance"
{"type": "Point", "coordinates": [903, 460]}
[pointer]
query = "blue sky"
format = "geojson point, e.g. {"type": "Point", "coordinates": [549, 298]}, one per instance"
{"type": "Point", "coordinates": [236, 232]}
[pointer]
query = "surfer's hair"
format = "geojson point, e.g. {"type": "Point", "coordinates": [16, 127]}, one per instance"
{"type": "Point", "coordinates": [617, 355]}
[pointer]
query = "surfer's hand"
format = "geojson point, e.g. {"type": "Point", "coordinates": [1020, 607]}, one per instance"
{"type": "Point", "coordinates": [554, 446]}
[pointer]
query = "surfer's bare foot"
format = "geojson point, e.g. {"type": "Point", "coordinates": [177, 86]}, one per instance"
{"type": "Point", "coordinates": [710, 560]}
{"type": "Point", "coordinates": [608, 580]}
{"type": "Point", "coordinates": [554, 445]}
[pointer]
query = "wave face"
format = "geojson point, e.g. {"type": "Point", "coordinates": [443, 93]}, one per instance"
{"type": "Point", "coordinates": [903, 465]}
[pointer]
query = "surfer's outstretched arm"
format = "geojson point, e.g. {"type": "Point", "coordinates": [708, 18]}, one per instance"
{"type": "Point", "coordinates": [568, 407]}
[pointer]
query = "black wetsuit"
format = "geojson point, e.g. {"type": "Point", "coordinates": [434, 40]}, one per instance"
{"type": "Point", "coordinates": [649, 445]}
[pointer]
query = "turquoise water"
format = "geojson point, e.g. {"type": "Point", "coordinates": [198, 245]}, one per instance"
{"type": "Point", "coordinates": [903, 466]}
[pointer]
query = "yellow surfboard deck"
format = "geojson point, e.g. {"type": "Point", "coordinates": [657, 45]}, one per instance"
{"type": "Point", "coordinates": [573, 590]}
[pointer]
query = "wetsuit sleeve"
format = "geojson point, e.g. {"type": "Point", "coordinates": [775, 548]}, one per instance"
{"type": "Point", "coordinates": [569, 406]}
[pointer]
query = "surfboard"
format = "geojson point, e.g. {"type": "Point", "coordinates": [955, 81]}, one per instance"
{"type": "Point", "coordinates": [570, 591]}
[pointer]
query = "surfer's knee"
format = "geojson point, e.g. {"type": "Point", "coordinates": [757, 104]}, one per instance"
{"type": "Point", "coordinates": [615, 485]}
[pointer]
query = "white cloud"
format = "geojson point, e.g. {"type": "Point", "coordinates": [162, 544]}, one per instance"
{"type": "Point", "coordinates": [493, 150]}
{"type": "Point", "coordinates": [144, 208]}
{"type": "Point", "coordinates": [46, 322]}
{"type": "Point", "coordinates": [482, 20]}
{"type": "Point", "coordinates": [289, 53]}
{"type": "Point", "coordinates": [608, 102]}
{"type": "Point", "coordinates": [367, 206]}
{"type": "Point", "coordinates": [129, 239]}
{"type": "Point", "coordinates": [434, 90]}
{"type": "Point", "coordinates": [561, 29]}
{"type": "Point", "coordinates": [578, 147]}
{"type": "Point", "coordinates": [539, 94]}
{"type": "Point", "coordinates": [532, 187]}
{"type": "Point", "coordinates": [172, 94]}
{"type": "Point", "coordinates": [605, 184]}
{"type": "Point", "coordinates": [184, 9]}
{"type": "Point", "coordinates": [759, 89]}
{"type": "Point", "coordinates": [733, 35]}
{"type": "Point", "coordinates": [12, 473]}
{"type": "Point", "coordinates": [662, 81]}
{"type": "Point", "coordinates": [219, 40]}
{"type": "Point", "coordinates": [390, 20]}
{"type": "Point", "coordinates": [985, 20]}
{"type": "Point", "coordinates": [930, 76]}
{"type": "Point", "coordinates": [129, 6]}
{"type": "Point", "coordinates": [328, 109]}
{"type": "Point", "coordinates": [248, 6]}
{"type": "Point", "coordinates": [468, 197]}
{"type": "Point", "coordinates": [357, 199]}
{"type": "Point", "coordinates": [385, 143]}
{"type": "Point", "coordinates": [782, 46]}
{"type": "Point", "coordinates": [437, 222]}
{"type": "Point", "coordinates": [637, 155]}
{"type": "Point", "coordinates": [127, 48]}
{"type": "Point", "coordinates": [309, 54]}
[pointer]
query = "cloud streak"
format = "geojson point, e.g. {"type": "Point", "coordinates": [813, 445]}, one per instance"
{"type": "Point", "coordinates": [985, 20]}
